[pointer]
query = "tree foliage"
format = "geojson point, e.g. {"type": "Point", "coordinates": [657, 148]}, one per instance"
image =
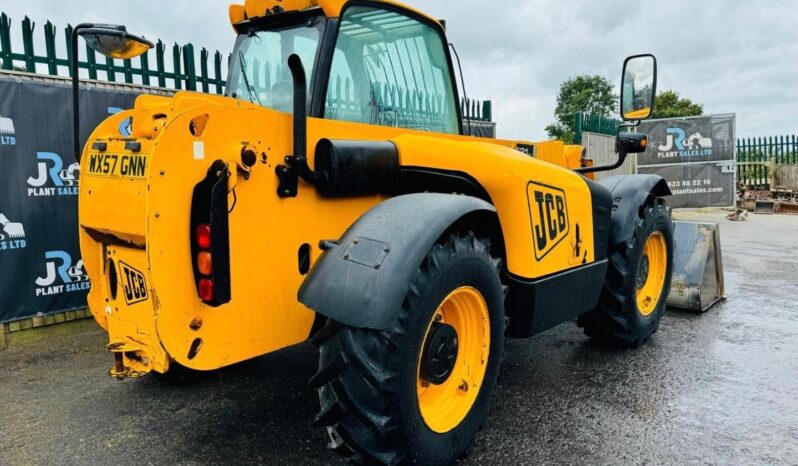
{"type": "Point", "coordinates": [670, 105]}
{"type": "Point", "coordinates": [584, 93]}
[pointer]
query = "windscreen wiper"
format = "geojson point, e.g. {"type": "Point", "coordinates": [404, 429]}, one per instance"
{"type": "Point", "coordinates": [253, 95]}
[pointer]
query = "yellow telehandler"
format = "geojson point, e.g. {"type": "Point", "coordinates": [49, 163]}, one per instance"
{"type": "Point", "coordinates": [333, 195]}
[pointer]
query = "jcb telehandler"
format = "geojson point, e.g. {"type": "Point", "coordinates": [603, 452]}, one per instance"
{"type": "Point", "coordinates": [224, 228]}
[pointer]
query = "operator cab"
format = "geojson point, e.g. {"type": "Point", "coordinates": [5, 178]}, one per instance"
{"type": "Point", "coordinates": [368, 62]}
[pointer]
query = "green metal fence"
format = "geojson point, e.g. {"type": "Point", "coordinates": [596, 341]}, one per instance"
{"type": "Point", "coordinates": [591, 123]}
{"type": "Point", "coordinates": [756, 158]}
{"type": "Point", "coordinates": [184, 72]}
{"type": "Point", "coordinates": [476, 110]}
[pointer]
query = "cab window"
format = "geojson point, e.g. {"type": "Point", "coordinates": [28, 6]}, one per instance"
{"type": "Point", "coordinates": [259, 68]}
{"type": "Point", "coordinates": [389, 69]}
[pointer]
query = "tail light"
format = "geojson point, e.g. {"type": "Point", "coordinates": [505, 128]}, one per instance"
{"type": "Point", "coordinates": [204, 236]}
{"type": "Point", "coordinates": [205, 289]}
{"type": "Point", "coordinates": [205, 263]}
{"type": "Point", "coordinates": [210, 249]}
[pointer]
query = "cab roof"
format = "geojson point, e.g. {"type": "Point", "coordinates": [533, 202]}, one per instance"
{"type": "Point", "coordinates": [332, 8]}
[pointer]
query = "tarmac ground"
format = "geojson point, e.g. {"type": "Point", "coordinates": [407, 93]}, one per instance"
{"type": "Point", "coordinates": [713, 388]}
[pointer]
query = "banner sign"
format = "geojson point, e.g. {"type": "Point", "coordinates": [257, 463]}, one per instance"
{"type": "Point", "coordinates": [688, 140]}
{"type": "Point", "coordinates": [710, 184]}
{"type": "Point", "coordinates": [41, 270]}
{"type": "Point", "coordinates": [695, 156]}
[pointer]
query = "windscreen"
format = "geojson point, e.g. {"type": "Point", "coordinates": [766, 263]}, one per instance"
{"type": "Point", "coordinates": [259, 70]}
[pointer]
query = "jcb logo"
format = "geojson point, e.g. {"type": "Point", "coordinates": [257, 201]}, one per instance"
{"type": "Point", "coordinates": [548, 213]}
{"type": "Point", "coordinates": [133, 284]}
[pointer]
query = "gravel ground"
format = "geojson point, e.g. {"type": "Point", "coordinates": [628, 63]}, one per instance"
{"type": "Point", "coordinates": [718, 388]}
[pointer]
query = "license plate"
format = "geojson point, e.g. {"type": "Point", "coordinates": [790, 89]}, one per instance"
{"type": "Point", "coordinates": [117, 166]}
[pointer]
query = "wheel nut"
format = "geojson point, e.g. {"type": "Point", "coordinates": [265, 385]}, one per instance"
{"type": "Point", "coordinates": [463, 387]}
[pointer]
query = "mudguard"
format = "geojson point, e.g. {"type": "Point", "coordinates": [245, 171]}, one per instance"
{"type": "Point", "coordinates": [362, 281]}
{"type": "Point", "coordinates": [629, 193]}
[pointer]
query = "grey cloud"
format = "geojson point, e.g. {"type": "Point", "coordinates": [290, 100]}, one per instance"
{"type": "Point", "coordinates": [732, 56]}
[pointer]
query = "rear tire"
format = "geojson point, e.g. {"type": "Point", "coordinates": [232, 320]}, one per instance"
{"type": "Point", "coordinates": [370, 382]}
{"type": "Point", "coordinates": [638, 281]}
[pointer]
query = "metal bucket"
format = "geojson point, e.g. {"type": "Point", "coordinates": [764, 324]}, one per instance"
{"type": "Point", "coordinates": [697, 281]}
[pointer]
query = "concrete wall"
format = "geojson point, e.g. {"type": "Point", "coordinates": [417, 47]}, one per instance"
{"type": "Point", "coordinates": [601, 148]}
{"type": "Point", "coordinates": [786, 176]}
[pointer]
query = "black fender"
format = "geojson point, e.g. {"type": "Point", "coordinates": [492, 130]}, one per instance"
{"type": "Point", "coordinates": [629, 194]}
{"type": "Point", "coordinates": [362, 281]}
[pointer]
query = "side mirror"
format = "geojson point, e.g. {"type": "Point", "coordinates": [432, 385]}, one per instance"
{"type": "Point", "coordinates": [639, 87]}
{"type": "Point", "coordinates": [114, 41]}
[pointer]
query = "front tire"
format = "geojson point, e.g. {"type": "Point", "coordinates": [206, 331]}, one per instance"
{"type": "Point", "coordinates": [638, 281]}
{"type": "Point", "coordinates": [420, 394]}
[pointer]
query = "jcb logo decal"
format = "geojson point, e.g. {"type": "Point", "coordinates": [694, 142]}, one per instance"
{"type": "Point", "coordinates": [548, 212]}
{"type": "Point", "coordinates": [133, 284]}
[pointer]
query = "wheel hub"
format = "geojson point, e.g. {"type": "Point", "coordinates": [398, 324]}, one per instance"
{"type": "Point", "coordinates": [643, 271]}
{"type": "Point", "coordinates": [440, 354]}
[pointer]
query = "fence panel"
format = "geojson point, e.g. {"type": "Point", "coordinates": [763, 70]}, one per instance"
{"type": "Point", "coordinates": [758, 157]}
{"type": "Point", "coordinates": [182, 76]}
{"type": "Point", "coordinates": [586, 122]}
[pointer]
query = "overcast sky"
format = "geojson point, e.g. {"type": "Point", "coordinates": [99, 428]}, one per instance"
{"type": "Point", "coordinates": [732, 56]}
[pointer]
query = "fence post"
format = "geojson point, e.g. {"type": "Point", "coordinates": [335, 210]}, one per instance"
{"type": "Point", "coordinates": [27, 43]}
{"type": "Point", "coordinates": [738, 168]}
{"type": "Point", "coordinates": [49, 45]}
{"type": "Point", "coordinates": [128, 66]}
{"type": "Point", "coordinates": [176, 63]}
{"type": "Point", "coordinates": [5, 42]}
{"type": "Point", "coordinates": [110, 68]}
{"type": "Point", "coordinates": [145, 68]}
{"type": "Point", "coordinates": [91, 62]}
{"type": "Point", "coordinates": [204, 55]}
{"type": "Point", "coordinates": [70, 52]}
{"type": "Point", "coordinates": [190, 67]}
{"type": "Point", "coordinates": [217, 70]}
{"type": "Point", "coordinates": [160, 51]}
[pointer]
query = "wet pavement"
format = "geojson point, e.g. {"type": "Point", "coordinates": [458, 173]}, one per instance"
{"type": "Point", "coordinates": [717, 388]}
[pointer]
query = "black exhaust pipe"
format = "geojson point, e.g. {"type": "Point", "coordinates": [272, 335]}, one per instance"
{"type": "Point", "coordinates": [297, 164]}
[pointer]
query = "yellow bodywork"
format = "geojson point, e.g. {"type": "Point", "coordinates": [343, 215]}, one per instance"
{"type": "Point", "coordinates": [332, 8]}
{"type": "Point", "coordinates": [148, 218]}
{"type": "Point", "coordinates": [135, 206]}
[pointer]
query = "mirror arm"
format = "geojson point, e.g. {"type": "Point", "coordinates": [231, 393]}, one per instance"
{"type": "Point", "coordinates": [622, 153]}
{"type": "Point", "coordinates": [74, 68]}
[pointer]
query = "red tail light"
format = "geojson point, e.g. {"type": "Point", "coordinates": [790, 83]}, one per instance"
{"type": "Point", "coordinates": [206, 289]}
{"type": "Point", "coordinates": [204, 236]}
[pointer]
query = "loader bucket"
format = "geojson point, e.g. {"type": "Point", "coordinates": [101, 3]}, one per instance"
{"type": "Point", "coordinates": [697, 281]}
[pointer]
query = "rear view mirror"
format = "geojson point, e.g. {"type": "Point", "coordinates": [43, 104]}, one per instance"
{"type": "Point", "coordinates": [115, 42]}
{"type": "Point", "coordinates": [639, 87]}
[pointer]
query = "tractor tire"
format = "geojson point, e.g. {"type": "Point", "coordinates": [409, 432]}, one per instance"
{"type": "Point", "coordinates": [638, 281]}
{"type": "Point", "coordinates": [387, 397]}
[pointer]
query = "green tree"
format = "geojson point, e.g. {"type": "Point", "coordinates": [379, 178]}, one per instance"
{"type": "Point", "coordinates": [584, 93]}
{"type": "Point", "coordinates": [670, 105]}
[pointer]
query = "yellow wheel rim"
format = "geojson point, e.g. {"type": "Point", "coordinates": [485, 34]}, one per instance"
{"type": "Point", "coordinates": [651, 273]}
{"type": "Point", "coordinates": [443, 407]}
